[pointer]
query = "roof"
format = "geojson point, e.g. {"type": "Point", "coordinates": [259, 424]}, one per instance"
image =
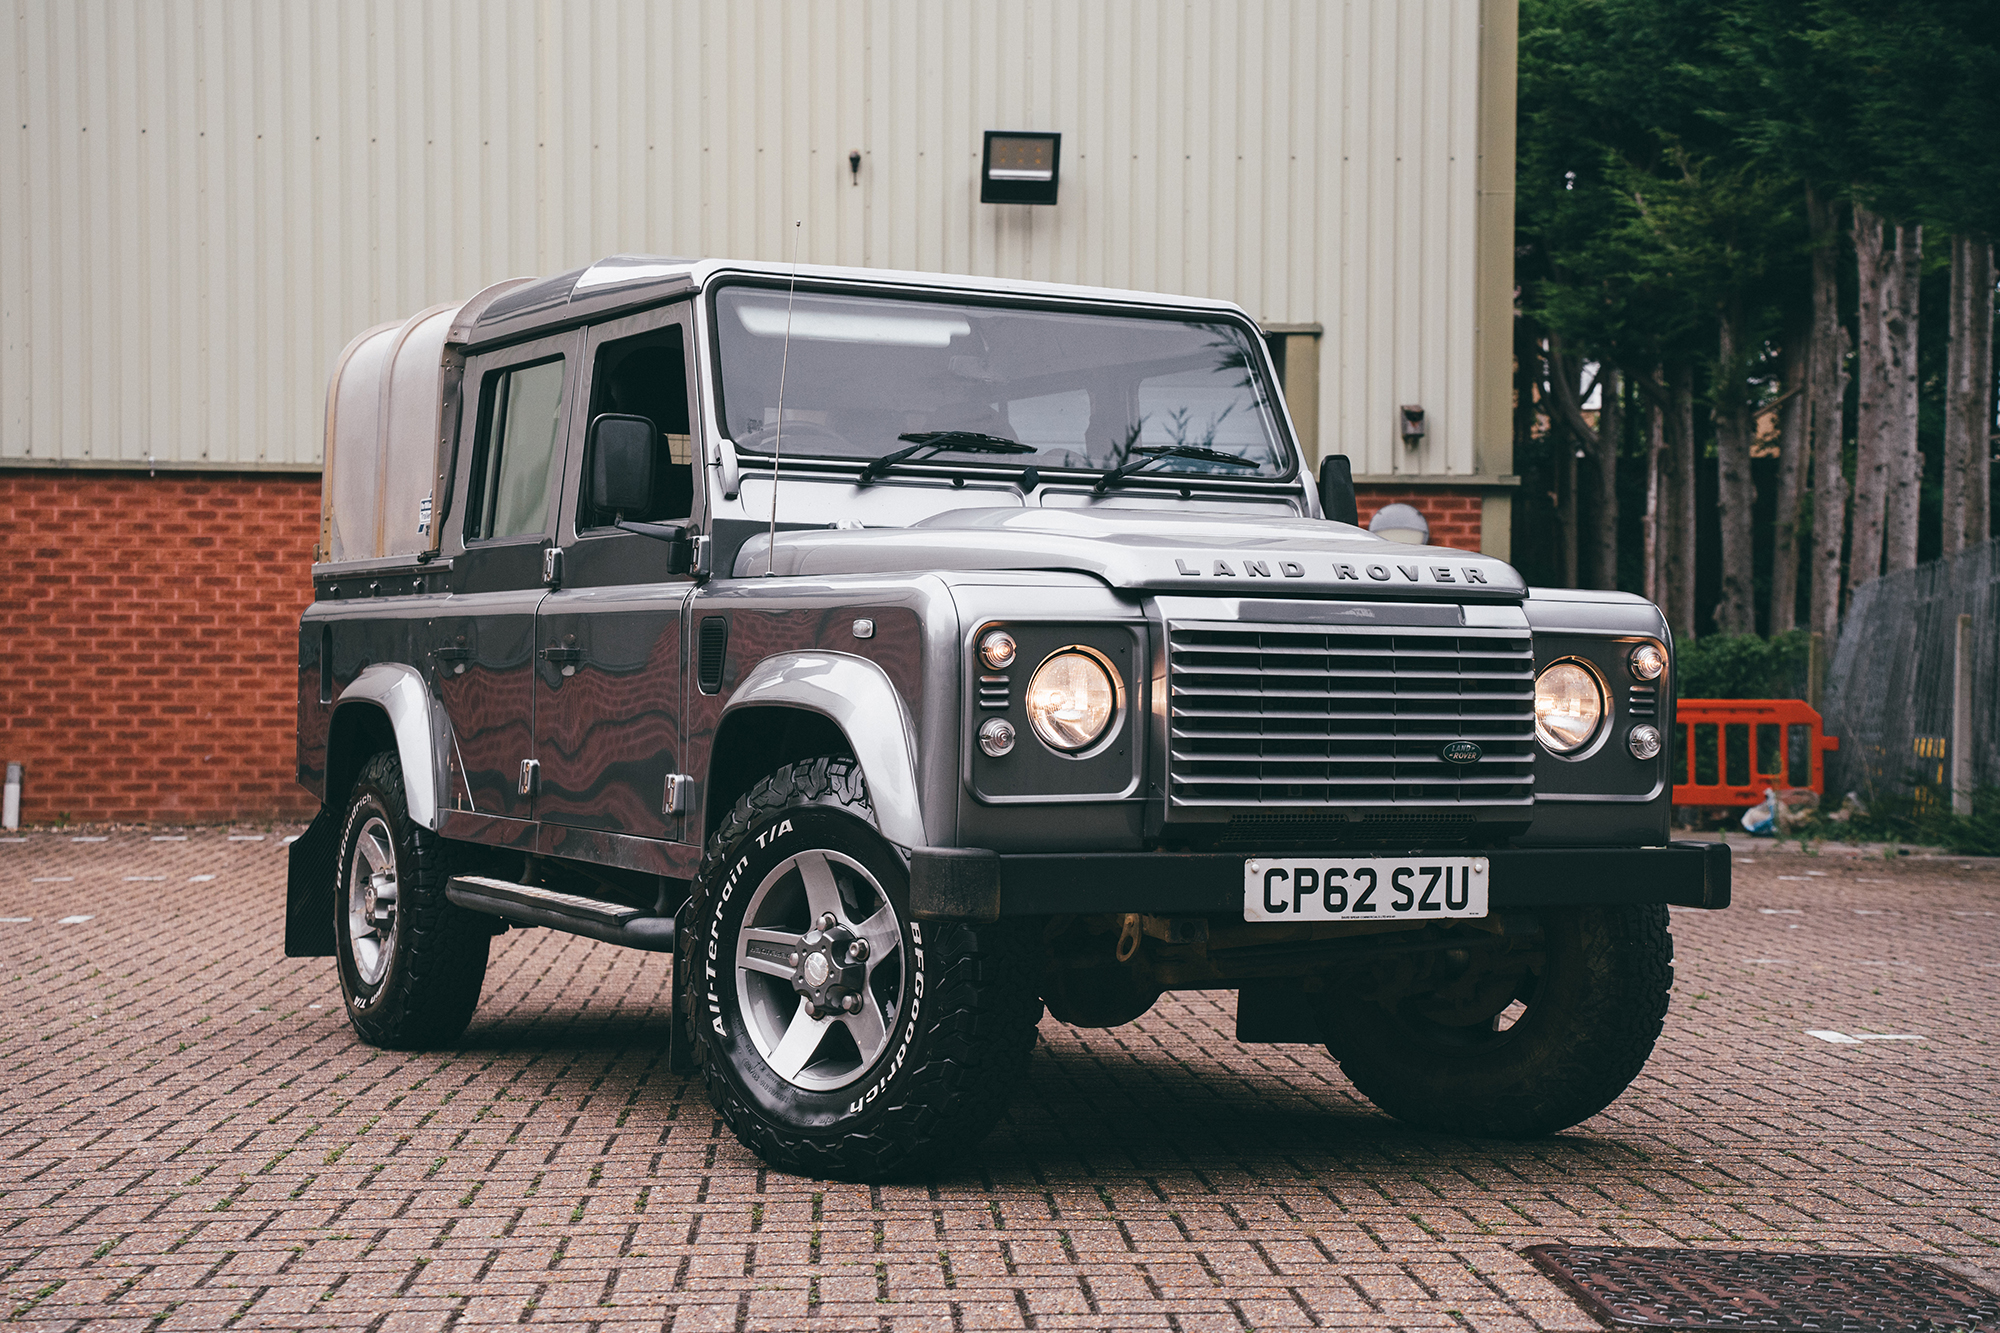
{"type": "Point", "coordinates": [523, 307]}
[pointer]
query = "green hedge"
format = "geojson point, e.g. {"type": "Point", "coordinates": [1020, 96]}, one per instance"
{"type": "Point", "coordinates": [1743, 666]}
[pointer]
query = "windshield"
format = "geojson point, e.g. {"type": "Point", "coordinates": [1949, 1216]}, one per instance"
{"type": "Point", "coordinates": [1079, 390]}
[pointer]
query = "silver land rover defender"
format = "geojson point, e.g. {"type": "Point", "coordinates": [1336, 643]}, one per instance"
{"type": "Point", "coordinates": [903, 654]}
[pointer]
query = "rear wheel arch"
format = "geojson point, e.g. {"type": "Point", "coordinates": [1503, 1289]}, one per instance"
{"type": "Point", "coordinates": [359, 731]}
{"type": "Point", "coordinates": [404, 719]}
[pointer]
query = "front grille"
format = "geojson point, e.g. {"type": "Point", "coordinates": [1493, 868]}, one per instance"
{"type": "Point", "coordinates": [1287, 716]}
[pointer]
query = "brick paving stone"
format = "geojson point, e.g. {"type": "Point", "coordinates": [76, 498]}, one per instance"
{"type": "Point", "coordinates": [192, 1138]}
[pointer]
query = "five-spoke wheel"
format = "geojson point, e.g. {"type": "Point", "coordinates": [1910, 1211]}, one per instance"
{"type": "Point", "coordinates": [819, 969]}
{"type": "Point", "coordinates": [411, 961]}
{"type": "Point", "coordinates": [371, 899]}
{"type": "Point", "coordinates": [840, 1036]}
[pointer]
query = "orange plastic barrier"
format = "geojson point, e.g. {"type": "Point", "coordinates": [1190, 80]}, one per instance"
{"type": "Point", "coordinates": [1729, 750]}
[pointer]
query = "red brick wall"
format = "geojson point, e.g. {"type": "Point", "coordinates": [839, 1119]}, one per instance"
{"type": "Point", "coordinates": [148, 669]}
{"type": "Point", "coordinates": [1452, 513]}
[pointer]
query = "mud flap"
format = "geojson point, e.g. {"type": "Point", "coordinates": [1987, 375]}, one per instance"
{"type": "Point", "coordinates": [309, 886]}
{"type": "Point", "coordinates": [680, 1021]}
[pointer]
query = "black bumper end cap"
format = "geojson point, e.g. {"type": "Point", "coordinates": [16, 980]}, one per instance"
{"type": "Point", "coordinates": [954, 884]}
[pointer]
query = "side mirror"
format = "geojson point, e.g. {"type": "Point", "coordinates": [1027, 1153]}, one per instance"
{"type": "Point", "coordinates": [621, 450]}
{"type": "Point", "coordinates": [1336, 490]}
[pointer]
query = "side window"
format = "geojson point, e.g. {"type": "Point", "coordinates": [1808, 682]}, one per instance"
{"type": "Point", "coordinates": [520, 437]}
{"type": "Point", "coordinates": [646, 376]}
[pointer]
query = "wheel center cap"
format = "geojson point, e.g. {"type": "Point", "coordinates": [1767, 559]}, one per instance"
{"type": "Point", "coordinates": [830, 970]}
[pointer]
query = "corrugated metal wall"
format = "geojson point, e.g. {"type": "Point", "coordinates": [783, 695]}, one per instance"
{"type": "Point", "coordinates": [202, 200]}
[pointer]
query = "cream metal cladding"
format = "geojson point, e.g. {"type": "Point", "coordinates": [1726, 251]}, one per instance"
{"type": "Point", "coordinates": [201, 202]}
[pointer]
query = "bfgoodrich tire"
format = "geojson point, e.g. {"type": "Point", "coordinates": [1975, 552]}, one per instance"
{"type": "Point", "coordinates": [411, 961]}
{"type": "Point", "coordinates": [1590, 1021]}
{"type": "Point", "coordinates": [840, 1037]}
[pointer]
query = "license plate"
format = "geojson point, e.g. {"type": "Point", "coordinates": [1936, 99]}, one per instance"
{"type": "Point", "coordinates": [1374, 888]}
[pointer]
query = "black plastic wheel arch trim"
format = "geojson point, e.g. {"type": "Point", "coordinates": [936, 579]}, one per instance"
{"type": "Point", "coordinates": [972, 884]}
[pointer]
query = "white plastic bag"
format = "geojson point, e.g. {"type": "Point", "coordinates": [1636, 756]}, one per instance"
{"type": "Point", "coordinates": [1760, 821]}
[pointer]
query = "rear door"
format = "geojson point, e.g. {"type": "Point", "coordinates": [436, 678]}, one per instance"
{"type": "Point", "coordinates": [483, 649]}
{"type": "Point", "coordinates": [609, 678]}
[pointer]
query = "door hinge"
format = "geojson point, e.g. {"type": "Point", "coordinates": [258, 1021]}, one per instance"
{"type": "Point", "coordinates": [531, 776]}
{"type": "Point", "coordinates": [552, 565]}
{"type": "Point", "coordinates": [674, 800]}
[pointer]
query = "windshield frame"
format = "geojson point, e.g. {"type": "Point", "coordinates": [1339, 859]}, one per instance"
{"type": "Point", "coordinates": [942, 467]}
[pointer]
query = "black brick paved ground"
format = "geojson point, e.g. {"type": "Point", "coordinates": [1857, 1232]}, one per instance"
{"type": "Point", "coordinates": [191, 1137]}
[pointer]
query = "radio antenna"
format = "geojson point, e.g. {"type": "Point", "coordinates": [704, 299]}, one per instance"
{"type": "Point", "coordinates": [778, 444]}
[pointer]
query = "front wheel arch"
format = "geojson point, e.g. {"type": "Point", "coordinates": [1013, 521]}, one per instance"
{"type": "Point", "coordinates": [751, 742]}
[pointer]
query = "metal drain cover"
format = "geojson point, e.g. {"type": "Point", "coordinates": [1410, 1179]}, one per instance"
{"type": "Point", "coordinates": [1773, 1293]}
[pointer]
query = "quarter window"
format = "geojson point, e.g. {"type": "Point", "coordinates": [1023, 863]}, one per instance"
{"type": "Point", "coordinates": [515, 465]}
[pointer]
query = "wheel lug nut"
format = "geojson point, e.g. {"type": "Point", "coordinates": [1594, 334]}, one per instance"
{"type": "Point", "coordinates": [851, 1003]}
{"type": "Point", "coordinates": [857, 951]}
{"type": "Point", "coordinates": [828, 921]}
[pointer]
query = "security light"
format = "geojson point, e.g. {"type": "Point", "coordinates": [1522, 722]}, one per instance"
{"type": "Point", "coordinates": [1019, 168]}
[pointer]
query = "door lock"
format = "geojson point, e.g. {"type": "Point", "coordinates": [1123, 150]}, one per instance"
{"type": "Point", "coordinates": [531, 777]}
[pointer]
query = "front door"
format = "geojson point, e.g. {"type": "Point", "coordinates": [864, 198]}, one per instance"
{"type": "Point", "coordinates": [483, 650]}
{"type": "Point", "coordinates": [610, 641]}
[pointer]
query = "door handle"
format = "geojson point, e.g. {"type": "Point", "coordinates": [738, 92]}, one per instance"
{"type": "Point", "coordinates": [453, 654]}
{"type": "Point", "coordinates": [562, 654]}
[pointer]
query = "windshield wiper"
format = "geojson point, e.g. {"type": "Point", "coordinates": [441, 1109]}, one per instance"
{"type": "Point", "coordinates": [1153, 453]}
{"type": "Point", "coordinates": [943, 441]}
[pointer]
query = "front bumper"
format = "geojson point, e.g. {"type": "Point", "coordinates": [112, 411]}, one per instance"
{"type": "Point", "coordinates": [972, 884]}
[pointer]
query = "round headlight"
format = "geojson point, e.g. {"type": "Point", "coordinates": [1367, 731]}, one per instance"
{"type": "Point", "coordinates": [997, 650]}
{"type": "Point", "coordinates": [1568, 707]}
{"type": "Point", "coordinates": [1648, 661]}
{"type": "Point", "coordinates": [1071, 701]}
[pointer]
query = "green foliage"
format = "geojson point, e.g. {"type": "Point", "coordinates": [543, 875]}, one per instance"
{"type": "Point", "coordinates": [1743, 666]}
{"type": "Point", "coordinates": [1925, 819]}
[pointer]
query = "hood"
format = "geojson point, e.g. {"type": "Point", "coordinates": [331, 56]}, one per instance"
{"type": "Point", "coordinates": [1151, 550]}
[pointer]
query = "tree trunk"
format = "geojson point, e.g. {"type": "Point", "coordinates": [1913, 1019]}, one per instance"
{"type": "Point", "coordinates": [1792, 415]}
{"type": "Point", "coordinates": [1567, 446]}
{"type": "Point", "coordinates": [1968, 395]}
{"type": "Point", "coordinates": [1827, 374]}
{"type": "Point", "coordinates": [1736, 612]}
{"type": "Point", "coordinates": [1905, 461]}
{"type": "Point", "coordinates": [1654, 582]}
{"type": "Point", "coordinates": [1566, 413]}
{"type": "Point", "coordinates": [1610, 438]}
{"type": "Point", "coordinates": [1680, 563]}
{"type": "Point", "coordinates": [1874, 415]}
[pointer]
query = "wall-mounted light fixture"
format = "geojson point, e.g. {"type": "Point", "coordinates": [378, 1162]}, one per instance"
{"type": "Point", "coordinates": [1413, 424]}
{"type": "Point", "coordinates": [1401, 523]}
{"type": "Point", "coordinates": [1020, 167]}
{"type": "Point", "coordinates": [854, 165]}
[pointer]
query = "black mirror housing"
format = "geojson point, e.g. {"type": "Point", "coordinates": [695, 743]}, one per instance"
{"type": "Point", "coordinates": [1336, 490]}
{"type": "Point", "coordinates": [621, 451]}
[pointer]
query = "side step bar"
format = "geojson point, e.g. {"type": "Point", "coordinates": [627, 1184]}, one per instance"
{"type": "Point", "coordinates": [531, 905]}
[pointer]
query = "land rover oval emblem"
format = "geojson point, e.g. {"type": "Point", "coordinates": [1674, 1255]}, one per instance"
{"type": "Point", "coordinates": [1461, 752]}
